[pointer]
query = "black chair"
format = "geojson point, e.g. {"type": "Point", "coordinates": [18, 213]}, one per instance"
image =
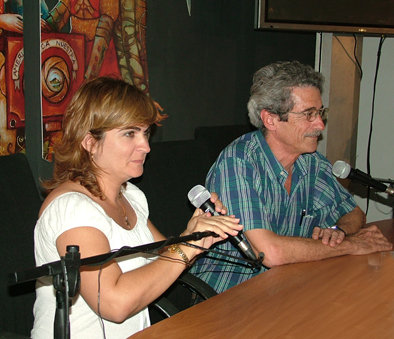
{"type": "Point", "coordinates": [187, 291]}
{"type": "Point", "coordinates": [19, 205]}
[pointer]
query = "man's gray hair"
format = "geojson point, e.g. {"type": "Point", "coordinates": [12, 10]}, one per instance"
{"type": "Point", "coordinates": [272, 87]}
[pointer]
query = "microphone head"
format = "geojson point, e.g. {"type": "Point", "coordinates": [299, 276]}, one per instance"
{"type": "Point", "coordinates": [198, 195]}
{"type": "Point", "coordinates": [341, 169]}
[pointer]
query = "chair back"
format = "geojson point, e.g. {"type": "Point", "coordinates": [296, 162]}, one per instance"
{"type": "Point", "coordinates": [19, 205]}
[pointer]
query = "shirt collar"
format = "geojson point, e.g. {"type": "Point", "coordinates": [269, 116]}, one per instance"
{"type": "Point", "coordinates": [300, 166]}
{"type": "Point", "coordinates": [274, 167]}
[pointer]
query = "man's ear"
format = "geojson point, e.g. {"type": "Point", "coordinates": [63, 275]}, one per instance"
{"type": "Point", "coordinates": [88, 143]}
{"type": "Point", "coordinates": [269, 120]}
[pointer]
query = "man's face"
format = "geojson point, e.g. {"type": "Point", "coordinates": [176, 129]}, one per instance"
{"type": "Point", "coordinates": [297, 135]}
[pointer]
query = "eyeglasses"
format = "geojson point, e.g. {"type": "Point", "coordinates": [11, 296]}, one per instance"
{"type": "Point", "coordinates": [312, 113]}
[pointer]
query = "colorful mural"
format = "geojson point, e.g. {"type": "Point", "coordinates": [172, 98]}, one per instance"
{"type": "Point", "coordinates": [80, 40]}
{"type": "Point", "coordinates": [12, 135]}
{"type": "Point", "coordinates": [112, 33]}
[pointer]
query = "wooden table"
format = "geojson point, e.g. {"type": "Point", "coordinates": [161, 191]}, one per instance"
{"type": "Point", "coordinates": [343, 297]}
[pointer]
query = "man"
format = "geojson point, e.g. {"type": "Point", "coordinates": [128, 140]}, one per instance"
{"type": "Point", "coordinates": [292, 207]}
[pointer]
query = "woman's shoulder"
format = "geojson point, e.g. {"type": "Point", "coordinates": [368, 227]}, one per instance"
{"type": "Point", "coordinates": [70, 189]}
{"type": "Point", "coordinates": [68, 207]}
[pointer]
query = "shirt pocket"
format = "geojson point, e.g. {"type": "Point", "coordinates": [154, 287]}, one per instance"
{"type": "Point", "coordinates": [307, 224]}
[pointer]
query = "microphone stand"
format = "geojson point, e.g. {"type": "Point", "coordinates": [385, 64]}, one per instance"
{"type": "Point", "coordinates": [66, 281]}
{"type": "Point", "coordinates": [390, 188]}
{"type": "Point", "coordinates": [385, 181]}
{"type": "Point", "coordinates": [66, 276]}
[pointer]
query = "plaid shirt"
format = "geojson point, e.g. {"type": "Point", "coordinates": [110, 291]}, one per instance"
{"type": "Point", "coordinates": [250, 182]}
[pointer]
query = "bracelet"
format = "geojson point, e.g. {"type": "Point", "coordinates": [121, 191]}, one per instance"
{"type": "Point", "coordinates": [336, 227]}
{"type": "Point", "coordinates": [176, 249]}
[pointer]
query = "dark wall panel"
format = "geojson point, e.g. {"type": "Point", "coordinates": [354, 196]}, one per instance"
{"type": "Point", "coordinates": [201, 66]}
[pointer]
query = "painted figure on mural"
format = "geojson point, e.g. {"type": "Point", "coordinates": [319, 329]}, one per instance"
{"type": "Point", "coordinates": [115, 36]}
{"type": "Point", "coordinates": [11, 21]}
{"type": "Point", "coordinates": [11, 15]}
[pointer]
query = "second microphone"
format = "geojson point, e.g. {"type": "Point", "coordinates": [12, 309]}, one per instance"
{"type": "Point", "coordinates": [200, 197]}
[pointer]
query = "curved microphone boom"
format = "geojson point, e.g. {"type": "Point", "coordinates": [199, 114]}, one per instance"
{"type": "Point", "coordinates": [342, 170]}
{"type": "Point", "coordinates": [200, 197]}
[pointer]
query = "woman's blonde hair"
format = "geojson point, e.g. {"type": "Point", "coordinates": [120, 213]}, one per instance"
{"type": "Point", "coordinates": [98, 106]}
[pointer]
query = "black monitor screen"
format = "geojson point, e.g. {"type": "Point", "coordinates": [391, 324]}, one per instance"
{"type": "Point", "coordinates": [353, 16]}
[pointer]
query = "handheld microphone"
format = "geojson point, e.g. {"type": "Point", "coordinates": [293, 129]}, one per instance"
{"type": "Point", "coordinates": [199, 196]}
{"type": "Point", "coordinates": [343, 170]}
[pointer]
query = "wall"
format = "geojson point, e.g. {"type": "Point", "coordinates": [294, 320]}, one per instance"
{"type": "Point", "coordinates": [201, 66]}
{"type": "Point", "coordinates": [382, 141]}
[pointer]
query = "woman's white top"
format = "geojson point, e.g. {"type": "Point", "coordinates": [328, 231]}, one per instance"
{"type": "Point", "coordinates": [71, 210]}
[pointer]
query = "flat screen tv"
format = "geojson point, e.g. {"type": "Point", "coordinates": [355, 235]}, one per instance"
{"type": "Point", "coordinates": [368, 17]}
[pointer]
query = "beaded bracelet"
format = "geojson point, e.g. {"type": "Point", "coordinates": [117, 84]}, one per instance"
{"type": "Point", "coordinates": [176, 249]}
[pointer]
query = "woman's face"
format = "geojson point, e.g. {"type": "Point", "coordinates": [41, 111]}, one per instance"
{"type": "Point", "coordinates": [122, 152]}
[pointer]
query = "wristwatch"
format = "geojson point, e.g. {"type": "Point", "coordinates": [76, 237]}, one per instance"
{"type": "Point", "coordinates": [335, 227]}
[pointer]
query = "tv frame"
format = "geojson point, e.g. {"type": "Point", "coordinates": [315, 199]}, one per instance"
{"type": "Point", "coordinates": [262, 22]}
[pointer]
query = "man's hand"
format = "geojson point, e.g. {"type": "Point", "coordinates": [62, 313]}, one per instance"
{"type": "Point", "coordinates": [368, 240]}
{"type": "Point", "coordinates": [328, 236]}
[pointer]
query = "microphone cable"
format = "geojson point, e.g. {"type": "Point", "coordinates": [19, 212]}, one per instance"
{"type": "Point", "coordinates": [381, 41]}
{"type": "Point", "coordinates": [355, 56]}
{"type": "Point", "coordinates": [249, 262]}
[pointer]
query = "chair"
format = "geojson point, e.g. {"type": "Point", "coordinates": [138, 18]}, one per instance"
{"type": "Point", "coordinates": [186, 291]}
{"type": "Point", "coordinates": [19, 205]}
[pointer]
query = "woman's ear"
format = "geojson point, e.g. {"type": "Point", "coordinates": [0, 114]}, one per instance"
{"type": "Point", "coordinates": [268, 119]}
{"type": "Point", "coordinates": [88, 143]}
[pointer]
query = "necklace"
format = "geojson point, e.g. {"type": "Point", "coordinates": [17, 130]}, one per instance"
{"type": "Point", "coordinates": [126, 219]}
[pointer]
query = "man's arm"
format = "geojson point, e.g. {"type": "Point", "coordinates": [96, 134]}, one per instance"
{"type": "Point", "coordinates": [349, 223]}
{"type": "Point", "coordinates": [280, 250]}
{"type": "Point", "coordinates": [352, 221]}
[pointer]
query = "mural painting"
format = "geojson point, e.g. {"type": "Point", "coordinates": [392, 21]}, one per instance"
{"type": "Point", "coordinates": [80, 40]}
{"type": "Point", "coordinates": [12, 135]}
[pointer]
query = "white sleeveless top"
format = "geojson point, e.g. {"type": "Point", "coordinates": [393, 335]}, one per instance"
{"type": "Point", "coordinates": [72, 210]}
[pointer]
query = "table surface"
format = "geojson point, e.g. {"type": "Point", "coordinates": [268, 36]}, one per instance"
{"type": "Point", "coordinates": [342, 297]}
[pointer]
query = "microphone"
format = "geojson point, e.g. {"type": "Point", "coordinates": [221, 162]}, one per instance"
{"type": "Point", "coordinates": [199, 196]}
{"type": "Point", "coordinates": [343, 170]}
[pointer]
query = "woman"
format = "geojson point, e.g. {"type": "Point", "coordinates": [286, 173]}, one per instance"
{"type": "Point", "coordinates": [92, 204]}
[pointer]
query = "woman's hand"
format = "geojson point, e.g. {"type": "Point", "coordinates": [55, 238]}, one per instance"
{"type": "Point", "coordinates": [222, 225]}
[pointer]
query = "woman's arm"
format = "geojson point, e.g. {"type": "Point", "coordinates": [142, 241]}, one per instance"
{"type": "Point", "coordinates": [124, 294]}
